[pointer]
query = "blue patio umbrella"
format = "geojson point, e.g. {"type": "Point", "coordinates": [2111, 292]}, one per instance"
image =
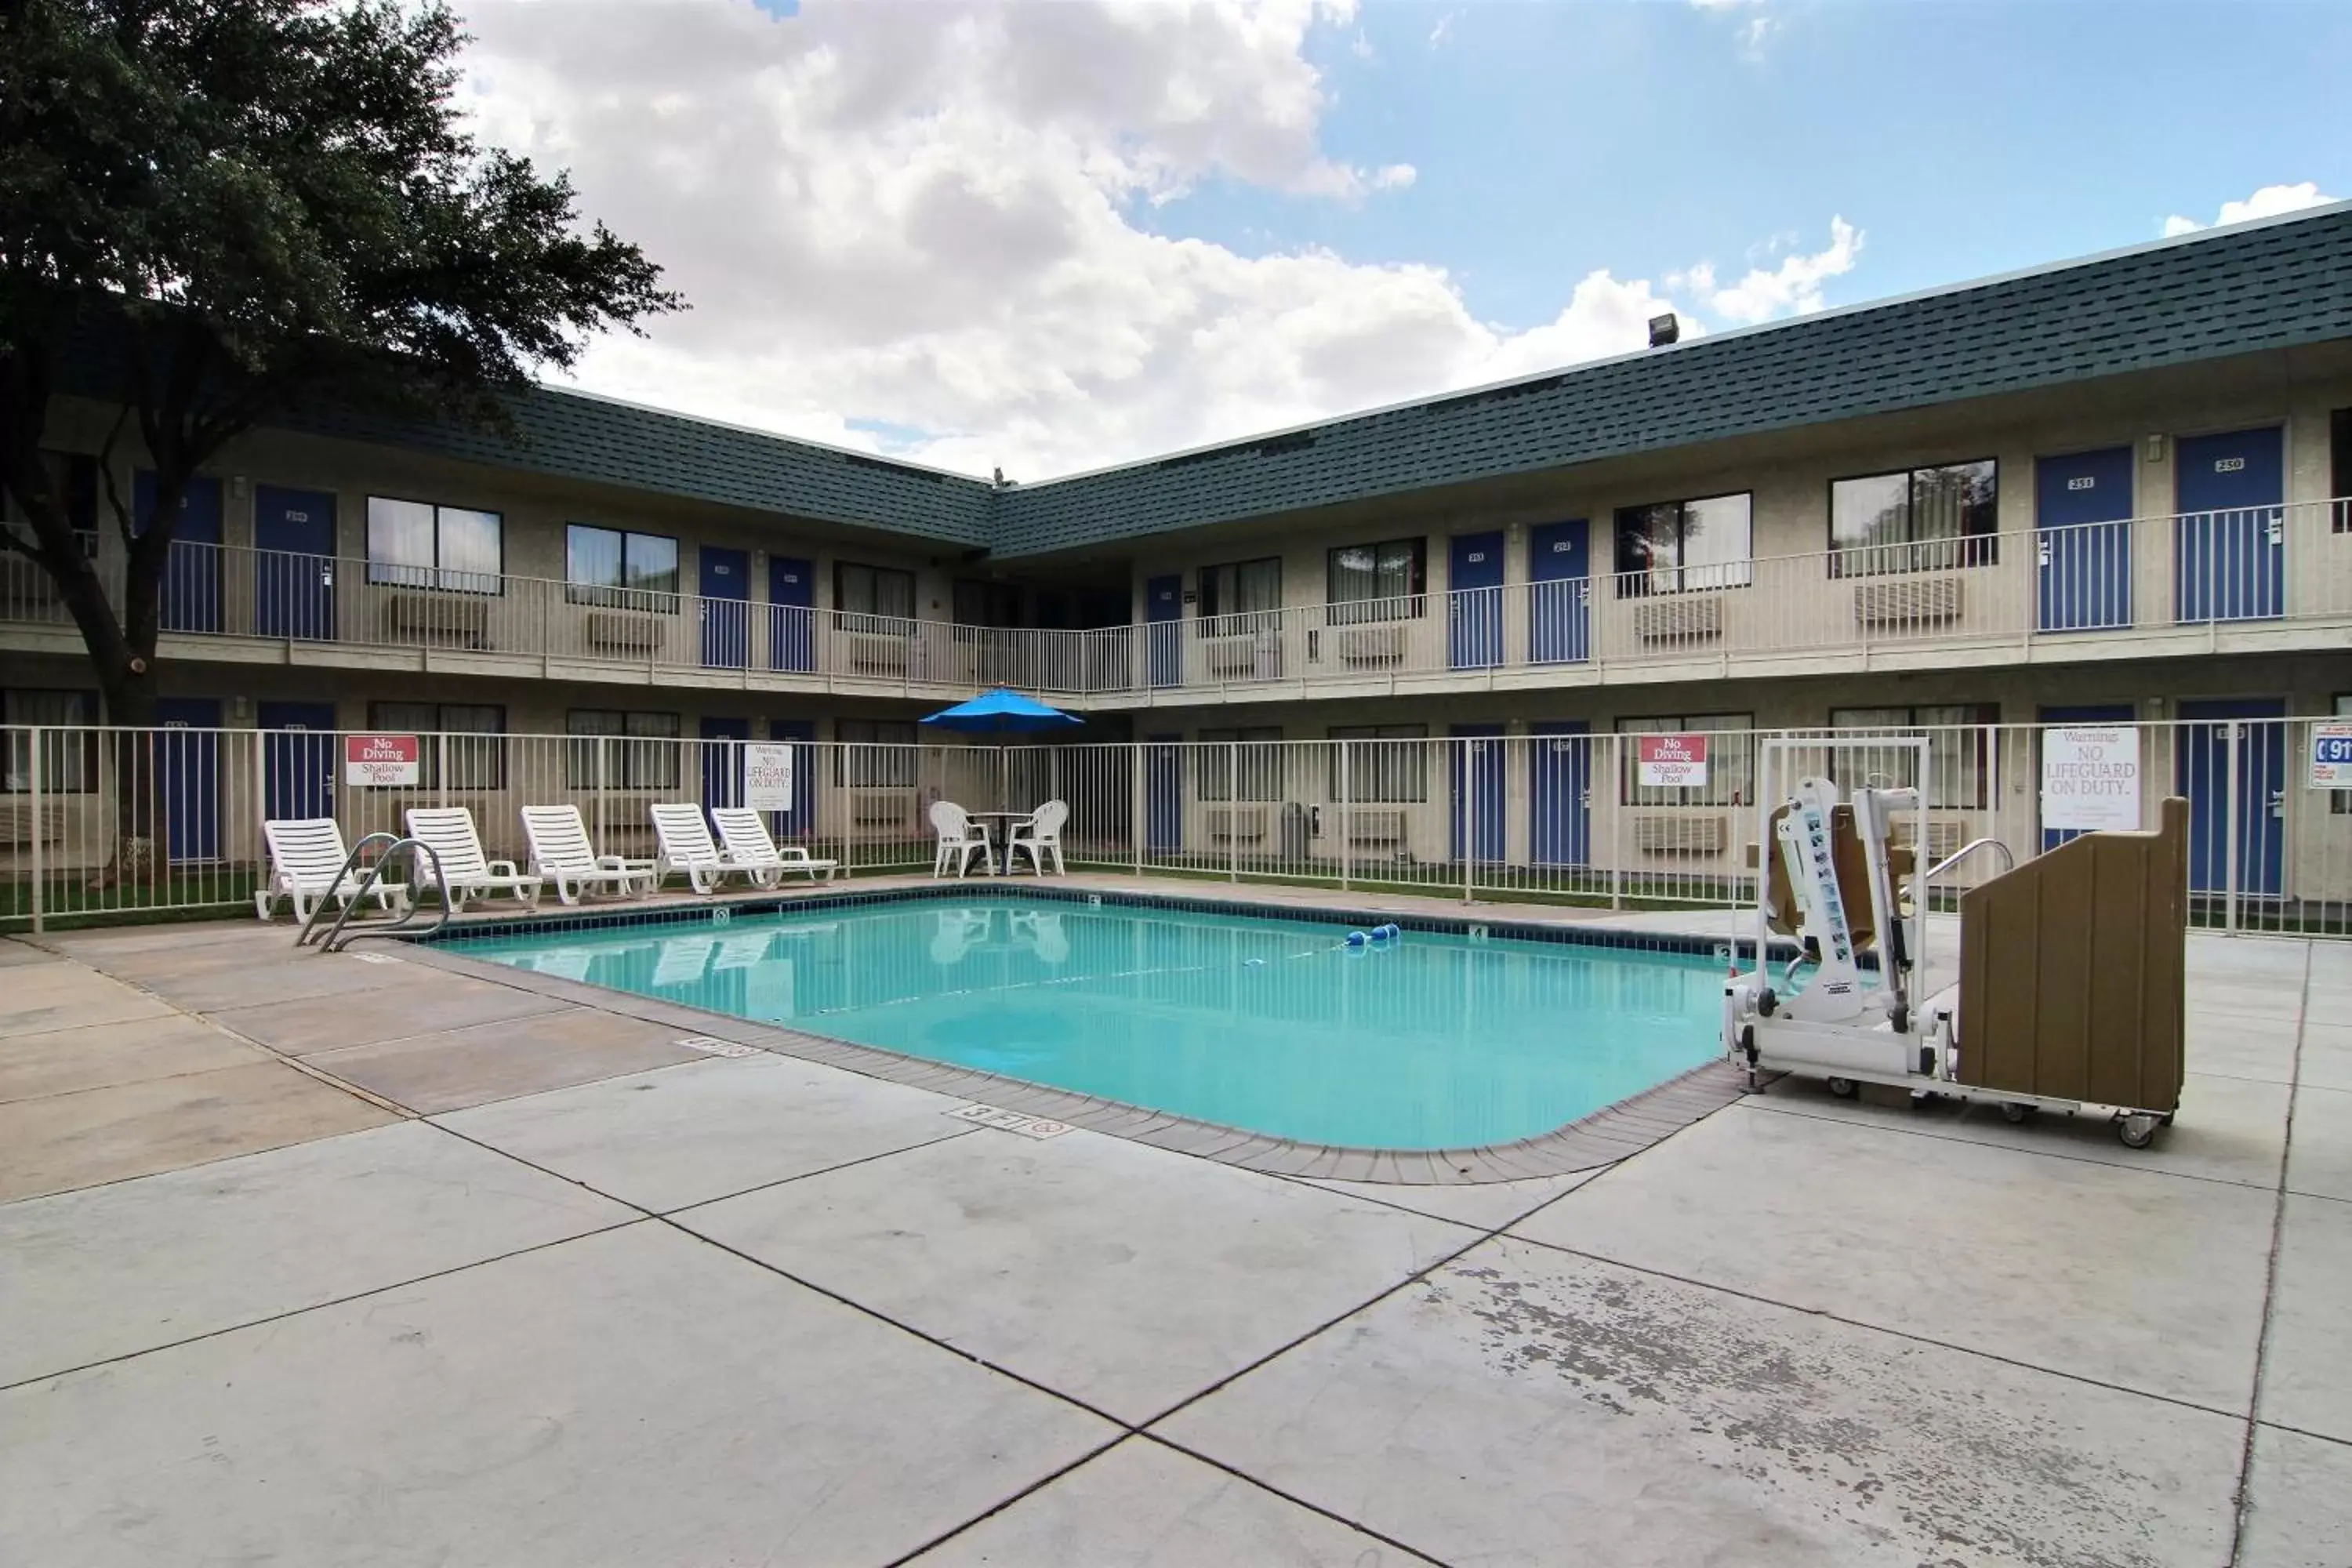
{"type": "Point", "coordinates": [1002, 713]}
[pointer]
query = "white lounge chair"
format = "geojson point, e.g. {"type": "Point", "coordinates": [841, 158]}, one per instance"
{"type": "Point", "coordinates": [305, 855]}
{"type": "Point", "coordinates": [682, 960]}
{"type": "Point", "coordinates": [959, 839]}
{"type": "Point", "coordinates": [449, 832]}
{"type": "Point", "coordinates": [1040, 833]}
{"type": "Point", "coordinates": [745, 840]}
{"type": "Point", "coordinates": [685, 845]}
{"type": "Point", "coordinates": [561, 853]}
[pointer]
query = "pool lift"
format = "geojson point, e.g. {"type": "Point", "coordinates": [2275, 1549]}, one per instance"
{"type": "Point", "coordinates": [1829, 856]}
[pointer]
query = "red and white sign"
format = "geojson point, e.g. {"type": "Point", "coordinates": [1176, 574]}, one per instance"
{"type": "Point", "coordinates": [381, 760]}
{"type": "Point", "coordinates": [1672, 760]}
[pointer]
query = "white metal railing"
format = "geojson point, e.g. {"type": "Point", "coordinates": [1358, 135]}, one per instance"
{"type": "Point", "coordinates": [109, 824]}
{"type": "Point", "coordinates": [2220, 581]}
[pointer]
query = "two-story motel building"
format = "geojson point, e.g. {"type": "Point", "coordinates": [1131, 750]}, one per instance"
{"type": "Point", "coordinates": [2109, 490]}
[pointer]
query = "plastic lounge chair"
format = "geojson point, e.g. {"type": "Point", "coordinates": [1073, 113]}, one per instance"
{"type": "Point", "coordinates": [1040, 833]}
{"type": "Point", "coordinates": [561, 852]}
{"type": "Point", "coordinates": [449, 832]}
{"type": "Point", "coordinates": [745, 839]}
{"type": "Point", "coordinates": [305, 855]}
{"type": "Point", "coordinates": [685, 845]}
{"type": "Point", "coordinates": [959, 839]}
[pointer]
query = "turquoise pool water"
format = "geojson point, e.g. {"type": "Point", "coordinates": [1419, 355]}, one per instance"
{"type": "Point", "coordinates": [1265, 1024]}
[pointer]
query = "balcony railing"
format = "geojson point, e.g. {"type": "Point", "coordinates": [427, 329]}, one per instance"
{"type": "Point", "coordinates": [2214, 580]}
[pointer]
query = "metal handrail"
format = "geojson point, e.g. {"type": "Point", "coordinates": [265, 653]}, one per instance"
{"type": "Point", "coordinates": [334, 940]}
{"type": "Point", "coordinates": [2008, 857]}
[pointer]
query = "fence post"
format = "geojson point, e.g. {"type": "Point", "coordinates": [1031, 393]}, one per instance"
{"type": "Point", "coordinates": [1618, 817]}
{"type": "Point", "coordinates": [1347, 840]}
{"type": "Point", "coordinates": [1233, 811]}
{"type": "Point", "coordinates": [1469, 745]}
{"type": "Point", "coordinates": [2230, 830]}
{"type": "Point", "coordinates": [602, 831]}
{"type": "Point", "coordinates": [40, 872]}
{"type": "Point", "coordinates": [441, 769]}
{"type": "Point", "coordinates": [1137, 828]}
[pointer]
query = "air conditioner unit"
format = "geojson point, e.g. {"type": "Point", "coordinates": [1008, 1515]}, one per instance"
{"type": "Point", "coordinates": [1679, 619]}
{"type": "Point", "coordinates": [881, 814]}
{"type": "Point", "coordinates": [877, 653]}
{"type": "Point", "coordinates": [1363, 646]}
{"type": "Point", "coordinates": [1907, 602]}
{"type": "Point", "coordinates": [19, 825]}
{"type": "Point", "coordinates": [1659, 833]}
{"type": "Point", "coordinates": [1378, 829]}
{"type": "Point", "coordinates": [1254, 656]}
{"type": "Point", "coordinates": [618, 631]}
{"type": "Point", "coordinates": [415, 616]}
{"type": "Point", "coordinates": [1236, 824]}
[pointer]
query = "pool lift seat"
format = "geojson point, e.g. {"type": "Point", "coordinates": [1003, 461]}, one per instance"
{"type": "Point", "coordinates": [2088, 943]}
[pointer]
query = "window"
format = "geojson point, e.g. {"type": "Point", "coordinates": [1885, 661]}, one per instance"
{"type": "Point", "coordinates": [635, 751]}
{"type": "Point", "coordinates": [1252, 765]}
{"type": "Point", "coordinates": [1241, 597]}
{"type": "Point", "coordinates": [1925, 519]}
{"type": "Point", "coordinates": [1730, 759]}
{"type": "Point", "coordinates": [1377, 582]}
{"type": "Point", "coordinates": [68, 760]}
{"type": "Point", "coordinates": [876, 754]}
{"type": "Point", "coordinates": [1376, 766]}
{"type": "Point", "coordinates": [979, 604]}
{"type": "Point", "coordinates": [1959, 748]}
{"type": "Point", "coordinates": [623, 571]}
{"type": "Point", "coordinates": [874, 599]}
{"type": "Point", "coordinates": [74, 476]}
{"type": "Point", "coordinates": [1685, 546]}
{"type": "Point", "coordinates": [412, 545]}
{"type": "Point", "coordinates": [476, 746]}
{"type": "Point", "coordinates": [2340, 468]}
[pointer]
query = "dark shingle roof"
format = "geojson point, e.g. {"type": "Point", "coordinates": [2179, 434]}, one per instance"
{"type": "Point", "coordinates": [2272, 286]}
{"type": "Point", "coordinates": [581, 436]}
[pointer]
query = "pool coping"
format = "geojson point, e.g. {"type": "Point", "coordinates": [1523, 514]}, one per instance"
{"type": "Point", "coordinates": [1600, 1138]}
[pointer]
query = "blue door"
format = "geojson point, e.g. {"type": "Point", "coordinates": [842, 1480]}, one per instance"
{"type": "Point", "coordinates": [187, 772]}
{"type": "Point", "coordinates": [1163, 787]}
{"type": "Point", "coordinates": [2229, 560]}
{"type": "Point", "coordinates": [294, 564]}
{"type": "Point", "coordinates": [2201, 768]}
{"type": "Point", "coordinates": [792, 614]}
{"type": "Point", "coordinates": [723, 760]}
{"type": "Point", "coordinates": [1560, 608]}
{"type": "Point", "coordinates": [1559, 794]}
{"type": "Point", "coordinates": [298, 760]}
{"type": "Point", "coordinates": [1477, 752]}
{"type": "Point", "coordinates": [2082, 505]}
{"type": "Point", "coordinates": [726, 609]}
{"type": "Point", "coordinates": [799, 823]}
{"type": "Point", "coordinates": [190, 598]}
{"type": "Point", "coordinates": [1473, 616]}
{"type": "Point", "coordinates": [1163, 611]}
{"type": "Point", "coordinates": [2096, 713]}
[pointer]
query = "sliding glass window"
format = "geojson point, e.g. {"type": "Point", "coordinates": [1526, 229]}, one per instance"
{"type": "Point", "coordinates": [1921, 519]}
{"type": "Point", "coordinates": [415, 544]}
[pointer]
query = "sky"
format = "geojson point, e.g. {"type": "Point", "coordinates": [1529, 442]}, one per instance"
{"type": "Point", "coordinates": [1054, 235]}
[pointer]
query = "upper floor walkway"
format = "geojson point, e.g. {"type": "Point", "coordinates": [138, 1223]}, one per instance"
{"type": "Point", "coordinates": [2267, 579]}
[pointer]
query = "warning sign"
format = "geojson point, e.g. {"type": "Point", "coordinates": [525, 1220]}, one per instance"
{"type": "Point", "coordinates": [1672, 760]}
{"type": "Point", "coordinates": [2090, 778]}
{"type": "Point", "coordinates": [381, 761]}
{"type": "Point", "coordinates": [767, 775]}
{"type": "Point", "coordinates": [2331, 756]}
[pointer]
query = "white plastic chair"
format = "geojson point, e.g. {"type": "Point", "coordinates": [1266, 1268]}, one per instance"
{"type": "Point", "coordinates": [744, 837]}
{"type": "Point", "coordinates": [685, 845]}
{"type": "Point", "coordinates": [959, 839]}
{"type": "Point", "coordinates": [1040, 833]}
{"type": "Point", "coordinates": [305, 855]}
{"type": "Point", "coordinates": [954, 933]}
{"type": "Point", "coordinates": [449, 832]}
{"type": "Point", "coordinates": [561, 853]}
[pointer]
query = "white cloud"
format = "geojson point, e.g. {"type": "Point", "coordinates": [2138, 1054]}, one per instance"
{"type": "Point", "coordinates": [2268, 201]}
{"type": "Point", "coordinates": [928, 220]}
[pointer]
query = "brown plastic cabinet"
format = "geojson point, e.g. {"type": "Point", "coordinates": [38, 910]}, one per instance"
{"type": "Point", "coordinates": [2073, 971]}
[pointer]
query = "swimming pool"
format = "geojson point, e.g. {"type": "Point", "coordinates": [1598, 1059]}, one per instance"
{"type": "Point", "coordinates": [1434, 1041]}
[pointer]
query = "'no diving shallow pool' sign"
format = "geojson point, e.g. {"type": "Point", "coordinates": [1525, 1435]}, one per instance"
{"type": "Point", "coordinates": [1671, 762]}
{"type": "Point", "coordinates": [1009, 1121]}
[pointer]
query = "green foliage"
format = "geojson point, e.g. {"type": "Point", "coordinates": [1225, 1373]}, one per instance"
{"type": "Point", "coordinates": [215, 210]}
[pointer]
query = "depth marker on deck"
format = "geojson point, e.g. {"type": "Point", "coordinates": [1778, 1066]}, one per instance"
{"type": "Point", "coordinates": [1010, 1121]}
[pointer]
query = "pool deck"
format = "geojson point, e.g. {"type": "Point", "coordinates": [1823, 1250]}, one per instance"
{"type": "Point", "coordinates": [359, 1260]}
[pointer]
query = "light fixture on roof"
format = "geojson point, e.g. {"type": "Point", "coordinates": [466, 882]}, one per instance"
{"type": "Point", "coordinates": [1665, 330]}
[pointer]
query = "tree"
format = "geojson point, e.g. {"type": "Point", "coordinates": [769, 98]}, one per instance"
{"type": "Point", "coordinates": [213, 212]}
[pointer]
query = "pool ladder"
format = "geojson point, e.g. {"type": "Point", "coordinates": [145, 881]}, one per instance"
{"type": "Point", "coordinates": [335, 939]}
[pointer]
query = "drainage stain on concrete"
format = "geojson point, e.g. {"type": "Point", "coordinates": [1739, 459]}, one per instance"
{"type": "Point", "coordinates": [1885, 1445]}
